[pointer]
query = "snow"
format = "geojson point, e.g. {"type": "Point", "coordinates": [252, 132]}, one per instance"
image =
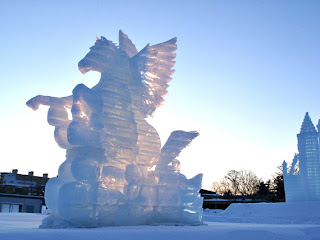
{"type": "Point", "coordinates": [299, 221]}
{"type": "Point", "coordinates": [280, 213]}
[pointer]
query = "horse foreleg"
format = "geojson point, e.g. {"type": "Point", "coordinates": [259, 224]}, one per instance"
{"type": "Point", "coordinates": [85, 101]}
{"type": "Point", "coordinates": [36, 101]}
{"type": "Point", "coordinates": [57, 115]}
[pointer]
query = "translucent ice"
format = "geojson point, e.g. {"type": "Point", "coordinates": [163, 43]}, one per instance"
{"type": "Point", "coordinates": [302, 182]}
{"type": "Point", "coordinates": [115, 172]}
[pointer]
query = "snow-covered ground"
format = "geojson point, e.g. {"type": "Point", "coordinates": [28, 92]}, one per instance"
{"type": "Point", "coordinates": [270, 213]}
{"type": "Point", "coordinates": [240, 221]}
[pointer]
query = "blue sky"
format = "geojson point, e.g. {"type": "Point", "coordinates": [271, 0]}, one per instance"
{"type": "Point", "coordinates": [246, 73]}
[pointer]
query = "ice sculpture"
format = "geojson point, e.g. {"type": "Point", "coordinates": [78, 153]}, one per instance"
{"type": "Point", "coordinates": [115, 172]}
{"type": "Point", "coordinates": [302, 182]}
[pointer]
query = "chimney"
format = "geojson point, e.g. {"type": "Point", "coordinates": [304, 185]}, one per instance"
{"type": "Point", "coordinates": [30, 174]}
{"type": "Point", "coordinates": [45, 175]}
{"type": "Point", "coordinates": [15, 171]}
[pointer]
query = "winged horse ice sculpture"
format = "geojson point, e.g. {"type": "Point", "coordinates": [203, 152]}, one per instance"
{"type": "Point", "coordinates": [115, 172]}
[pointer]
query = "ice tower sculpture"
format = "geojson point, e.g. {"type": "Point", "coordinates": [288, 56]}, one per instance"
{"type": "Point", "coordinates": [302, 182]}
{"type": "Point", "coordinates": [115, 172]}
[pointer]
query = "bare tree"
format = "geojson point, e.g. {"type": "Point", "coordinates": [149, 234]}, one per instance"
{"type": "Point", "coordinates": [243, 182]}
{"type": "Point", "coordinates": [232, 180]}
{"type": "Point", "coordinates": [248, 182]}
{"type": "Point", "coordinates": [217, 188]}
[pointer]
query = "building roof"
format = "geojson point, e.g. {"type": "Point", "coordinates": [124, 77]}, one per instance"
{"type": "Point", "coordinates": [26, 178]}
{"type": "Point", "coordinates": [20, 196]}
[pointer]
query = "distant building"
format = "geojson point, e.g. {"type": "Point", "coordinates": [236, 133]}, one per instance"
{"type": "Point", "coordinates": [15, 203]}
{"type": "Point", "coordinates": [20, 180]}
{"type": "Point", "coordinates": [302, 181]}
{"type": "Point", "coordinates": [22, 193]}
{"type": "Point", "coordinates": [212, 200]}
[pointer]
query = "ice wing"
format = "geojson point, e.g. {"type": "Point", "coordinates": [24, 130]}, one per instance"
{"type": "Point", "coordinates": [177, 141]}
{"type": "Point", "coordinates": [154, 65]}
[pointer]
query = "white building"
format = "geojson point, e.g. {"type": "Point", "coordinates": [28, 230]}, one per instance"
{"type": "Point", "coordinates": [22, 193]}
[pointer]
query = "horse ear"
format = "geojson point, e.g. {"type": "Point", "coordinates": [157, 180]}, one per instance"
{"type": "Point", "coordinates": [108, 43]}
{"type": "Point", "coordinates": [126, 45]}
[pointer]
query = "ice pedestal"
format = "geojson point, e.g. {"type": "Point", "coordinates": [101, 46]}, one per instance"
{"type": "Point", "coordinates": [84, 204]}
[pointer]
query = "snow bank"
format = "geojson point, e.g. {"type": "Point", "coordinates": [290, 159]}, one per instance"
{"type": "Point", "coordinates": [281, 213]}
